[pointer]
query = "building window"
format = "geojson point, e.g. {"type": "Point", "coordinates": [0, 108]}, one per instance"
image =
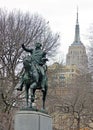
{"type": "Point", "coordinates": [72, 70]}
{"type": "Point", "coordinates": [54, 77]}
{"type": "Point", "coordinates": [62, 77]}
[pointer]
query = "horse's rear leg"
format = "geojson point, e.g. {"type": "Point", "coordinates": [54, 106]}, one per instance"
{"type": "Point", "coordinates": [43, 99]}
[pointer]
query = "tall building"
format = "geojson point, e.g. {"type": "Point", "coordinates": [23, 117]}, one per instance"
{"type": "Point", "coordinates": [77, 51]}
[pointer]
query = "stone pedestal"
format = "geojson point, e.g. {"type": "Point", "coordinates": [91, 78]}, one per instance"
{"type": "Point", "coordinates": [31, 120]}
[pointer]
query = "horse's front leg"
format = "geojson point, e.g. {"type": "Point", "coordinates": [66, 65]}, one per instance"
{"type": "Point", "coordinates": [27, 95]}
{"type": "Point", "coordinates": [44, 95]}
{"type": "Point", "coordinates": [32, 90]}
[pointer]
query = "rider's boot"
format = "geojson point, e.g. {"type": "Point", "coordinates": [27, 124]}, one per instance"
{"type": "Point", "coordinates": [43, 88]}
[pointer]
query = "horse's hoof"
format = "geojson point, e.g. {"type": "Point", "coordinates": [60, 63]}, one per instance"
{"type": "Point", "coordinates": [43, 110]}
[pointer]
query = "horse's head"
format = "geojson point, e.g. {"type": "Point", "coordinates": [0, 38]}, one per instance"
{"type": "Point", "coordinates": [27, 63]}
{"type": "Point", "coordinates": [27, 67]}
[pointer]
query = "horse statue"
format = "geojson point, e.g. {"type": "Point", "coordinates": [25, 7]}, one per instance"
{"type": "Point", "coordinates": [28, 79]}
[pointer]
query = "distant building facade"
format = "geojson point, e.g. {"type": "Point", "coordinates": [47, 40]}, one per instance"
{"type": "Point", "coordinates": [62, 75]}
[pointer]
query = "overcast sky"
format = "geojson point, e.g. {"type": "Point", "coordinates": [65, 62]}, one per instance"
{"type": "Point", "coordinates": [61, 15]}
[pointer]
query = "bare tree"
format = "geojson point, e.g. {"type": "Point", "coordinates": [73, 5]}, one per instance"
{"type": "Point", "coordinates": [79, 102]}
{"type": "Point", "coordinates": [72, 105]}
{"type": "Point", "coordinates": [16, 29]}
{"type": "Point", "coordinates": [90, 48]}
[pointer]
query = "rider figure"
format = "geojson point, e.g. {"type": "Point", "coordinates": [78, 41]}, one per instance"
{"type": "Point", "coordinates": [38, 58]}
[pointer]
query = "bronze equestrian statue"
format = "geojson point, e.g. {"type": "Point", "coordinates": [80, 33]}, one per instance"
{"type": "Point", "coordinates": [34, 75]}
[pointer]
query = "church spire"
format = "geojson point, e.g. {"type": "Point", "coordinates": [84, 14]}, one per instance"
{"type": "Point", "coordinates": [77, 32]}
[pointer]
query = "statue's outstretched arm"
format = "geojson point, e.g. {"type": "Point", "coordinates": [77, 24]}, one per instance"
{"type": "Point", "coordinates": [27, 49]}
